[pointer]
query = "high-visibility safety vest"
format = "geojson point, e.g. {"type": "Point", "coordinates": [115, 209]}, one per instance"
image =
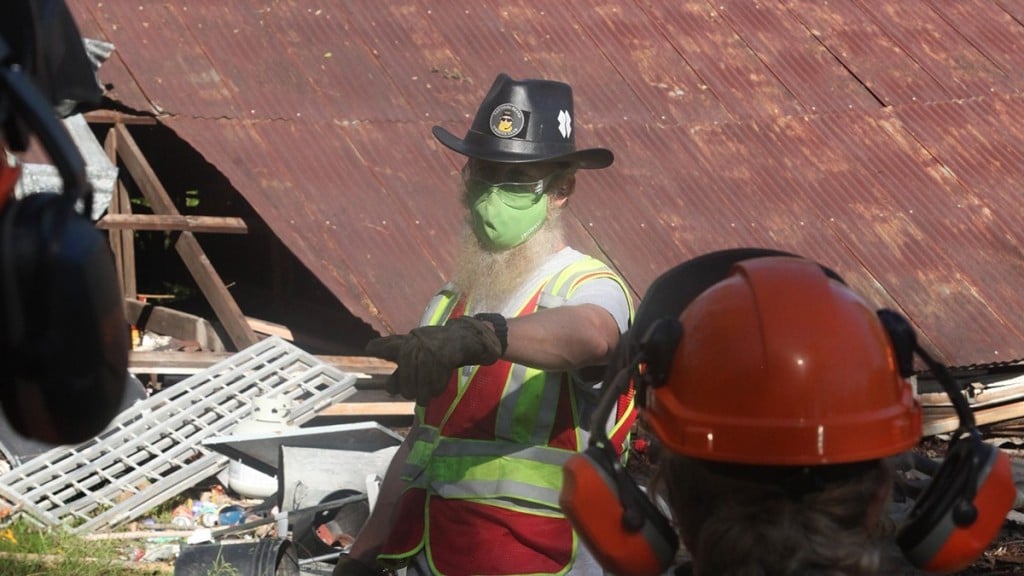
{"type": "Point", "coordinates": [485, 468]}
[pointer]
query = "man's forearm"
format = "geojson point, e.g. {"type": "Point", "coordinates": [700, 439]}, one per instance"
{"type": "Point", "coordinates": [563, 338]}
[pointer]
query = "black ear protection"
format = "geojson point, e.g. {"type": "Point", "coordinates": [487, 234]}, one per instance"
{"type": "Point", "coordinates": [63, 336]}
{"type": "Point", "coordinates": [955, 519]}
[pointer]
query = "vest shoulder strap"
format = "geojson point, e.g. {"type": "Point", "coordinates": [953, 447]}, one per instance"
{"type": "Point", "coordinates": [440, 306]}
{"type": "Point", "coordinates": [556, 290]}
{"type": "Point", "coordinates": [559, 288]}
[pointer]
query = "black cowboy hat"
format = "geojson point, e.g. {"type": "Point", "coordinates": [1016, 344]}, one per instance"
{"type": "Point", "coordinates": [525, 121]}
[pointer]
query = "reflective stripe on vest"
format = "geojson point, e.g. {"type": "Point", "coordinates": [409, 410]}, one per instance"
{"type": "Point", "coordinates": [484, 469]}
{"type": "Point", "coordinates": [440, 306]}
{"type": "Point", "coordinates": [419, 454]}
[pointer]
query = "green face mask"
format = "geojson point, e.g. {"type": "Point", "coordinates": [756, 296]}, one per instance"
{"type": "Point", "coordinates": [504, 217]}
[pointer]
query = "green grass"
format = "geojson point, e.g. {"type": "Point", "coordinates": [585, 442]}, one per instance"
{"type": "Point", "coordinates": [221, 568]}
{"type": "Point", "coordinates": [29, 551]}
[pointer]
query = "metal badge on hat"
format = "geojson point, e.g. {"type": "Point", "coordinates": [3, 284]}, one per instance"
{"type": "Point", "coordinates": [507, 121]}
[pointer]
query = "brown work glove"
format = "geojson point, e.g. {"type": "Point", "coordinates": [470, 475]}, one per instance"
{"type": "Point", "coordinates": [426, 356]}
{"type": "Point", "coordinates": [348, 566]}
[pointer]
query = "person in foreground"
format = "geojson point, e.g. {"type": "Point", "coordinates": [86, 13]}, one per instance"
{"type": "Point", "coordinates": [778, 396]}
{"type": "Point", "coordinates": [63, 335]}
{"type": "Point", "coordinates": [506, 365]}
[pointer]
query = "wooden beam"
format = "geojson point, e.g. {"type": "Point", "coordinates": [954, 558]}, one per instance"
{"type": "Point", "coordinates": [271, 328]}
{"type": "Point", "coordinates": [227, 225]}
{"type": "Point", "coordinates": [949, 423]}
{"type": "Point", "coordinates": [173, 323]}
{"type": "Point", "coordinates": [164, 362]}
{"type": "Point", "coordinates": [122, 242]}
{"type": "Point", "coordinates": [113, 117]}
{"type": "Point", "coordinates": [205, 275]}
{"type": "Point", "coordinates": [1000, 392]}
{"type": "Point", "coordinates": [369, 409]}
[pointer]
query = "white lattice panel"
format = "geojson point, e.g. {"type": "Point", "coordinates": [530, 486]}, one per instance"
{"type": "Point", "coordinates": [153, 451]}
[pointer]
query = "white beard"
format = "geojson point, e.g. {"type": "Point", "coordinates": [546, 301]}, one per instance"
{"type": "Point", "coordinates": [490, 278]}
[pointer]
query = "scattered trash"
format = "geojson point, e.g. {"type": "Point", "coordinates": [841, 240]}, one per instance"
{"type": "Point", "coordinates": [230, 514]}
{"type": "Point", "coordinates": [160, 552]}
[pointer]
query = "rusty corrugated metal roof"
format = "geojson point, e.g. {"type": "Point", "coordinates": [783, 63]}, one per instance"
{"type": "Point", "coordinates": [878, 137]}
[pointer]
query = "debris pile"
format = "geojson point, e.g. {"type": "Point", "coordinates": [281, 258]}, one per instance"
{"type": "Point", "coordinates": [175, 441]}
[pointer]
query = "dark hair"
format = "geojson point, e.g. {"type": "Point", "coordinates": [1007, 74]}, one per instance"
{"type": "Point", "coordinates": [741, 519]}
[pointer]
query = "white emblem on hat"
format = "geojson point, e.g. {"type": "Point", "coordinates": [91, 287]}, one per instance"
{"type": "Point", "coordinates": [564, 123]}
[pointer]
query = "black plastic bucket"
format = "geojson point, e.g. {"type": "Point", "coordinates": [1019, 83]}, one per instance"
{"type": "Point", "coordinates": [349, 518]}
{"type": "Point", "coordinates": [264, 557]}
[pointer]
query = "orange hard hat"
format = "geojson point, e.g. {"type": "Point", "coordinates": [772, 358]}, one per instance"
{"type": "Point", "coordinates": [782, 364]}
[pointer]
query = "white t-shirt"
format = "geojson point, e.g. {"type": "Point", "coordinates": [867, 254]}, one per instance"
{"type": "Point", "coordinates": [603, 292]}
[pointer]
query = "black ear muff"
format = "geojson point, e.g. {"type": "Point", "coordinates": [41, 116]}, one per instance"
{"type": "Point", "coordinates": [963, 508]}
{"type": "Point", "coordinates": [903, 339]}
{"type": "Point", "coordinates": [64, 339]}
{"type": "Point", "coordinates": [654, 354]}
{"type": "Point", "coordinates": [63, 336]}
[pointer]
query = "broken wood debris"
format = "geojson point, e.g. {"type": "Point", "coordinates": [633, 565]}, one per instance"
{"type": "Point", "coordinates": [994, 404]}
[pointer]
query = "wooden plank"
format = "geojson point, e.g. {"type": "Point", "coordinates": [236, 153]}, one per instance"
{"type": "Point", "coordinates": [223, 224]}
{"type": "Point", "coordinates": [127, 243]}
{"type": "Point", "coordinates": [122, 242]}
{"type": "Point", "coordinates": [271, 328]}
{"type": "Point", "coordinates": [114, 117]}
{"type": "Point", "coordinates": [216, 292]}
{"type": "Point", "coordinates": [949, 423]}
{"type": "Point", "coordinates": [369, 409]}
{"type": "Point", "coordinates": [304, 338]}
{"type": "Point", "coordinates": [206, 277]}
{"type": "Point", "coordinates": [173, 323]}
{"type": "Point", "coordinates": [173, 362]}
{"type": "Point", "coordinates": [987, 395]}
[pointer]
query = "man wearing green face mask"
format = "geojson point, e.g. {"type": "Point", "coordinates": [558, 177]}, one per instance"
{"type": "Point", "coordinates": [506, 365]}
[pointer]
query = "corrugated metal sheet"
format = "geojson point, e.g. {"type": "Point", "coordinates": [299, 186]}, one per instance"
{"type": "Point", "coordinates": [878, 137]}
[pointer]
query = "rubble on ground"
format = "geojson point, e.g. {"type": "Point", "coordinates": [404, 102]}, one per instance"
{"type": "Point", "coordinates": [171, 452]}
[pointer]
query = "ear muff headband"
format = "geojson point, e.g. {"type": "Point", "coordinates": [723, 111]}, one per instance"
{"type": "Point", "coordinates": [29, 106]}
{"type": "Point", "coordinates": [665, 301]}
